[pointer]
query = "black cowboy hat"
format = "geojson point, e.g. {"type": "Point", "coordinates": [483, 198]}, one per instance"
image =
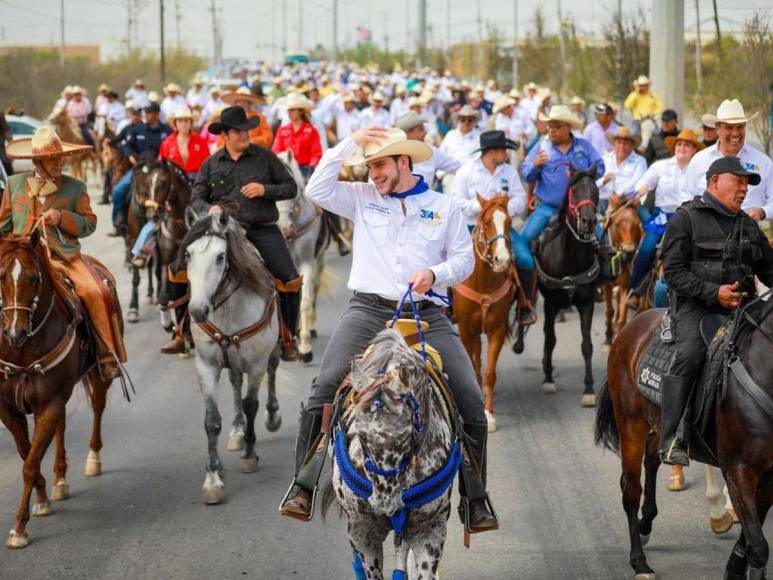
{"type": "Point", "coordinates": [495, 140]}
{"type": "Point", "coordinates": [234, 118]}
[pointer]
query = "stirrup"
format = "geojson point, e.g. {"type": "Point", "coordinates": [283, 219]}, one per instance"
{"type": "Point", "coordinates": [665, 456]}
{"type": "Point", "coordinates": [464, 514]}
{"type": "Point", "coordinates": [295, 515]}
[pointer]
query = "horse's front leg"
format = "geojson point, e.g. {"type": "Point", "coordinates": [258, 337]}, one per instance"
{"type": "Point", "coordinates": [209, 377]}
{"type": "Point", "coordinates": [586, 319]}
{"type": "Point", "coordinates": [249, 459]}
{"type": "Point", "coordinates": [98, 395]}
{"type": "Point", "coordinates": [549, 328]}
{"type": "Point", "coordinates": [427, 546]}
{"type": "Point", "coordinates": [273, 419]}
{"type": "Point", "coordinates": [622, 301]}
{"type": "Point", "coordinates": [60, 489]}
{"type": "Point", "coordinates": [307, 300]}
{"type": "Point", "coordinates": [236, 436]}
{"type": "Point", "coordinates": [496, 340]}
{"type": "Point", "coordinates": [133, 315]}
{"type": "Point", "coordinates": [743, 483]}
{"type": "Point", "coordinates": [609, 303]}
{"type": "Point", "coordinates": [367, 541]}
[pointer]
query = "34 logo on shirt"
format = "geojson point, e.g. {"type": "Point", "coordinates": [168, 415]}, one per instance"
{"type": "Point", "coordinates": [430, 217]}
{"type": "Point", "coordinates": [752, 167]}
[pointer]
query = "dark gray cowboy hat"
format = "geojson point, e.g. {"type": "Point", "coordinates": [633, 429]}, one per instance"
{"type": "Point", "coordinates": [234, 118]}
{"type": "Point", "coordinates": [495, 140]}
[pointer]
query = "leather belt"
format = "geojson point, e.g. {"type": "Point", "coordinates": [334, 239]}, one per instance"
{"type": "Point", "coordinates": [393, 304]}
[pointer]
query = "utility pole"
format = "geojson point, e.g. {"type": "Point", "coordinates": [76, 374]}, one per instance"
{"type": "Point", "coordinates": [422, 32]}
{"type": "Point", "coordinates": [480, 23]}
{"type": "Point", "coordinates": [61, 33]}
{"type": "Point", "coordinates": [515, 44]}
{"type": "Point", "coordinates": [213, 10]}
{"type": "Point", "coordinates": [161, 22]}
{"type": "Point", "coordinates": [448, 34]}
{"type": "Point", "coordinates": [177, 19]}
{"type": "Point", "coordinates": [335, 29]}
{"type": "Point", "coordinates": [667, 52]}
{"type": "Point", "coordinates": [719, 35]}
{"type": "Point", "coordinates": [561, 46]}
{"type": "Point", "coordinates": [384, 23]}
{"type": "Point", "coordinates": [698, 49]}
{"type": "Point", "coordinates": [284, 30]}
{"type": "Point", "coordinates": [129, 17]}
{"type": "Point", "coordinates": [300, 24]}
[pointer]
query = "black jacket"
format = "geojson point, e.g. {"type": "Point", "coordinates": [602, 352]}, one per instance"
{"type": "Point", "coordinates": [656, 148]}
{"type": "Point", "coordinates": [704, 248]}
{"type": "Point", "coordinates": [220, 180]}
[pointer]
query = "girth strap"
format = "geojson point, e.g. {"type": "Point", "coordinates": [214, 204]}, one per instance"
{"type": "Point", "coordinates": [569, 283]}
{"type": "Point", "coordinates": [485, 300]}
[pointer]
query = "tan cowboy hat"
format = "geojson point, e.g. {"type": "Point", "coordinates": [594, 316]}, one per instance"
{"type": "Point", "coordinates": [624, 133]}
{"type": "Point", "coordinates": [530, 87]}
{"type": "Point", "coordinates": [298, 101]}
{"type": "Point", "coordinates": [732, 113]}
{"type": "Point", "coordinates": [214, 91]}
{"type": "Point", "coordinates": [687, 136]}
{"type": "Point", "coordinates": [502, 104]}
{"type": "Point", "coordinates": [395, 143]}
{"type": "Point", "coordinates": [709, 120]}
{"type": "Point", "coordinates": [544, 93]}
{"type": "Point", "coordinates": [182, 112]}
{"type": "Point", "coordinates": [129, 104]}
{"type": "Point", "coordinates": [515, 94]}
{"type": "Point", "coordinates": [415, 102]}
{"type": "Point", "coordinates": [408, 121]}
{"type": "Point", "coordinates": [577, 101]}
{"type": "Point", "coordinates": [377, 96]}
{"type": "Point", "coordinates": [153, 97]}
{"type": "Point", "coordinates": [104, 87]}
{"type": "Point", "coordinates": [468, 111]}
{"type": "Point", "coordinates": [561, 114]}
{"type": "Point", "coordinates": [642, 80]}
{"type": "Point", "coordinates": [400, 90]}
{"type": "Point", "coordinates": [67, 90]}
{"type": "Point", "coordinates": [240, 94]}
{"type": "Point", "coordinates": [173, 88]}
{"type": "Point", "coordinates": [44, 144]}
{"type": "Point", "coordinates": [349, 98]}
{"type": "Point", "coordinates": [79, 90]}
{"type": "Point", "coordinates": [138, 83]}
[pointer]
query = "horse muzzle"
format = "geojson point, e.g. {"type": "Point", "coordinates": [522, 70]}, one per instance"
{"type": "Point", "coordinates": [16, 337]}
{"type": "Point", "coordinates": [199, 314]}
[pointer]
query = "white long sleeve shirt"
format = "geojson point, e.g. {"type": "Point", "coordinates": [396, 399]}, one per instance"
{"type": "Point", "coordinates": [371, 116]}
{"type": "Point", "coordinates": [753, 159]}
{"type": "Point", "coordinates": [666, 178]}
{"type": "Point", "coordinates": [389, 246]}
{"type": "Point", "coordinates": [474, 179]}
{"type": "Point", "coordinates": [438, 162]}
{"type": "Point", "coordinates": [626, 175]}
{"type": "Point", "coordinates": [463, 148]}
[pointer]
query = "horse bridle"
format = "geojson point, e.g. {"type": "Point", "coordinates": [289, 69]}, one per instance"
{"type": "Point", "coordinates": [573, 214]}
{"type": "Point", "coordinates": [30, 309]}
{"type": "Point", "coordinates": [482, 244]}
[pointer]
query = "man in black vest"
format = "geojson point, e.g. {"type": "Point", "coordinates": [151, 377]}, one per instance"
{"type": "Point", "coordinates": [657, 148]}
{"type": "Point", "coordinates": [712, 251]}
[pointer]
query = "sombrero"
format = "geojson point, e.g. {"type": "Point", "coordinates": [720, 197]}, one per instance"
{"type": "Point", "coordinates": [241, 94]}
{"type": "Point", "coordinates": [395, 143]}
{"type": "Point", "coordinates": [44, 144]}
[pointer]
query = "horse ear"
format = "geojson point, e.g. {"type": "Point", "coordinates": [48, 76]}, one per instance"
{"type": "Point", "coordinates": [290, 156]}
{"type": "Point", "coordinates": [191, 217]}
{"type": "Point", "coordinates": [481, 201]}
{"type": "Point", "coordinates": [35, 237]}
{"type": "Point", "coordinates": [593, 169]}
{"type": "Point", "coordinates": [222, 219]}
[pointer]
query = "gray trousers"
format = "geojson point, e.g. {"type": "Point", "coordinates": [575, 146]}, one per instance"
{"type": "Point", "coordinates": [362, 321]}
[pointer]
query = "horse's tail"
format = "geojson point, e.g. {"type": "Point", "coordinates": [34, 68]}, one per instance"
{"type": "Point", "coordinates": [605, 430]}
{"type": "Point", "coordinates": [328, 497]}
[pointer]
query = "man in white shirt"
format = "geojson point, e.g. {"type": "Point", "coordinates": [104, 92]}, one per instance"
{"type": "Point", "coordinates": [462, 142]}
{"type": "Point", "coordinates": [213, 104]}
{"type": "Point", "coordinates": [399, 105]}
{"type": "Point", "coordinates": [171, 102]}
{"type": "Point", "coordinates": [414, 128]}
{"type": "Point", "coordinates": [376, 114]}
{"type": "Point", "coordinates": [113, 111]}
{"type": "Point", "coordinates": [197, 95]}
{"type": "Point", "coordinates": [731, 129]}
{"type": "Point", "coordinates": [624, 167]}
{"type": "Point", "coordinates": [596, 132]}
{"type": "Point", "coordinates": [530, 102]}
{"type": "Point", "coordinates": [138, 95]}
{"type": "Point", "coordinates": [347, 118]}
{"type": "Point", "coordinates": [404, 233]}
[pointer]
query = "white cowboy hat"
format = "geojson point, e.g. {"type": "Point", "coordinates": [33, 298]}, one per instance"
{"type": "Point", "coordinates": [395, 143]}
{"type": "Point", "coordinates": [153, 97]}
{"type": "Point", "coordinates": [173, 87]}
{"type": "Point", "coordinates": [544, 93]}
{"type": "Point", "coordinates": [377, 96]}
{"type": "Point", "coordinates": [298, 101]}
{"type": "Point", "coordinates": [104, 87]}
{"type": "Point", "coordinates": [532, 86]}
{"type": "Point", "coordinates": [468, 111]}
{"type": "Point", "coordinates": [415, 102]}
{"type": "Point", "coordinates": [240, 94]}
{"type": "Point", "coordinates": [642, 80]}
{"type": "Point", "coordinates": [79, 90]}
{"type": "Point", "coordinates": [577, 101]}
{"type": "Point", "coordinates": [502, 104]}
{"type": "Point", "coordinates": [408, 121]}
{"type": "Point", "coordinates": [732, 113]}
{"type": "Point", "coordinates": [67, 90]}
{"type": "Point", "coordinates": [138, 83]}
{"type": "Point", "coordinates": [349, 98]}
{"type": "Point", "coordinates": [561, 114]}
{"type": "Point", "coordinates": [625, 134]}
{"type": "Point", "coordinates": [129, 104]}
{"type": "Point", "coordinates": [44, 144]}
{"type": "Point", "coordinates": [182, 112]}
{"type": "Point", "coordinates": [515, 94]}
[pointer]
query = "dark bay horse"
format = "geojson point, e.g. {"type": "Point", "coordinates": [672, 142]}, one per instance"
{"type": "Point", "coordinates": [628, 423]}
{"type": "Point", "coordinates": [44, 352]}
{"type": "Point", "coordinates": [482, 302]}
{"type": "Point", "coordinates": [567, 268]}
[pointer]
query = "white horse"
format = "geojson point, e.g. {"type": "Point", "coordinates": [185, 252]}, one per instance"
{"type": "Point", "coordinates": [301, 225]}
{"type": "Point", "coordinates": [233, 306]}
{"type": "Point", "coordinates": [647, 128]}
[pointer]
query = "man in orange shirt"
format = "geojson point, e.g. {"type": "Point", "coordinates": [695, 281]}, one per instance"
{"type": "Point", "coordinates": [260, 135]}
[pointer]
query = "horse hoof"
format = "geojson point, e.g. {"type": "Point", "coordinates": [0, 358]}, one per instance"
{"type": "Point", "coordinates": [184, 355]}
{"type": "Point", "coordinates": [549, 388]}
{"type": "Point", "coordinates": [518, 347]}
{"type": "Point", "coordinates": [60, 491]}
{"type": "Point", "coordinates": [213, 495]}
{"type": "Point", "coordinates": [273, 421]}
{"type": "Point", "coordinates": [235, 442]}
{"type": "Point", "coordinates": [42, 509]}
{"type": "Point", "coordinates": [723, 524]}
{"type": "Point", "coordinates": [306, 357]}
{"type": "Point", "coordinates": [731, 511]}
{"type": "Point", "coordinates": [313, 333]}
{"type": "Point", "coordinates": [132, 316]}
{"type": "Point", "coordinates": [645, 576]}
{"type": "Point", "coordinates": [17, 541]}
{"type": "Point", "coordinates": [93, 465]}
{"type": "Point", "coordinates": [248, 464]}
{"type": "Point", "coordinates": [676, 482]}
{"type": "Point", "coordinates": [491, 422]}
{"type": "Point", "coordinates": [645, 539]}
{"type": "Point", "coordinates": [589, 400]}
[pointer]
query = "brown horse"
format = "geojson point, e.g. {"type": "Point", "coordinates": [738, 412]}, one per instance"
{"type": "Point", "coordinates": [68, 130]}
{"type": "Point", "coordinates": [625, 232]}
{"type": "Point", "coordinates": [482, 302]}
{"type": "Point", "coordinates": [628, 423]}
{"type": "Point", "coordinates": [42, 357]}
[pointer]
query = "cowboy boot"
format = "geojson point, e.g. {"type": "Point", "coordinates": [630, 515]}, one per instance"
{"type": "Point", "coordinates": [475, 508]}
{"type": "Point", "coordinates": [527, 314]}
{"type": "Point", "coordinates": [673, 442]}
{"type": "Point", "coordinates": [297, 503]}
{"type": "Point", "coordinates": [174, 346]}
{"type": "Point", "coordinates": [289, 306]}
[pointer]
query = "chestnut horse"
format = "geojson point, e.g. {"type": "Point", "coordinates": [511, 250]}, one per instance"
{"type": "Point", "coordinates": [628, 423]}
{"type": "Point", "coordinates": [625, 232]}
{"type": "Point", "coordinates": [482, 302]}
{"type": "Point", "coordinates": [42, 357]}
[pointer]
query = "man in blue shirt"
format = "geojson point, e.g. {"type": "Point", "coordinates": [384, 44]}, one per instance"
{"type": "Point", "coordinates": [548, 165]}
{"type": "Point", "coordinates": [142, 141]}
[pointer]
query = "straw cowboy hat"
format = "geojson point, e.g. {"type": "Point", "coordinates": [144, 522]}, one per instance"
{"type": "Point", "coordinates": [468, 111]}
{"type": "Point", "coordinates": [139, 83]}
{"type": "Point", "coordinates": [642, 80]}
{"type": "Point", "coordinates": [709, 120]}
{"type": "Point", "coordinates": [153, 97]}
{"type": "Point", "coordinates": [214, 91]}
{"type": "Point", "coordinates": [79, 90]}
{"type": "Point", "coordinates": [349, 98]}
{"type": "Point", "coordinates": [104, 87]}
{"type": "Point", "coordinates": [624, 133]}
{"type": "Point", "coordinates": [240, 94]}
{"type": "Point", "coordinates": [44, 144]}
{"type": "Point", "coordinates": [576, 101]}
{"type": "Point", "coordinates": [732, 113]}
{"type": "Point", "coordinates": [561, 114]}
{"type": "Point", "coordinates": [530, 87]}
{"type": "Point", "coordinates": [687, 136]}
{"type": "Point", "coordinates": [515, 94]}
{"type": "Point", "coordinates": [298, 101]}
{"type": "Point", "coordinates": [408, 121]}
{"type": "Point", "coordinates": [182, 112]}
{"type": "Point", "coordinates": [395, 143]}
{"type": "Point", "coordinates": [173, 88]}
{"type": "Point", "coordinates": [415, 102]}
{"type": "Point", "coordinates": [544, 93]}
{"type": "Point", "coordinates": [502, 104]}
{"type": "Point", "coordinates": [377, 96]}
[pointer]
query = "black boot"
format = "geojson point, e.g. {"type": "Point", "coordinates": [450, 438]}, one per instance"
{"type": "Point", "coordinates": [289, 306]}
{"type": "Point", "coordinates": [527, 313]}
{"type": "Point", "coordinates": [299, 501]}
{"type": "Point", "coordinates": [673, 444]}
{"type": "Point", "coordinates": [475, 508]}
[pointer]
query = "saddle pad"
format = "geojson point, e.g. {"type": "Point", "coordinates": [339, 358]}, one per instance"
{"type": "Point", "coordinates": [654, 365]}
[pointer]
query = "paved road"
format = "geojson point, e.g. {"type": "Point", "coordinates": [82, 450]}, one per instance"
{"type": "Point", "coordinates": [557, 495]}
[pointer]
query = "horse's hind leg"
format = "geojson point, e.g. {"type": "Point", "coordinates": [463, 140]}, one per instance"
{"type": "Point", "coordinates": [720, 516]}
{"type": "Point", "coordinates": [549, 328]}
{"type": "Point", "coordinates": [495, 342]}
{"type": "Point", "coordinates": [650, 508]}
{"type": "Point", "coordinates": [273, 416]}
{"type": "Point", "coordinates": [236, 436]}
{"type": "Point", "coordinates": [307, 299]}
{"type": "Point", "coordinates": [98, 395]}
{"type": "Point", "coordinates": [209, 376]}
{"type": "Point", "coordinates": [249, 459]}
{"type": "Point", "coordinates": [151, 273]}
{"type": "Point", "coordinates": [744, 485]}
{"type": "Point", "coordinates": [586, 319]}
{"type": "Point", "coordinates": [609, 305]}
{"type": "Point", "coordinates": [60, 489]}
{"type": "Point", "coordinates": [134, 303]}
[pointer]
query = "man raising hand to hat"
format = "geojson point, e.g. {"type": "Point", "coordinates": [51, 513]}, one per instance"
{"type": "Point", "coordinates": [404, 233]}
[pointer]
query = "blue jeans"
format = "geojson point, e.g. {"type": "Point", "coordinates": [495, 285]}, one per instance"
{"type": "Point", "coordinates": [661, 293]}
{"type": "Point", "coordinates": [533, 227]}
{"type": "Point", "coordinates": [142, 239]}
{"type": "Point", "coordinates": [120, 197]}
{"type": "Point", "coordinates": [87, 134]}
{"type": "Point", "coordinates": [644, 258]}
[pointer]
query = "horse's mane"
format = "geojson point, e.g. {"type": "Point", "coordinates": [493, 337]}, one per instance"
{"type": "Point", "coordinates": [11, 244]}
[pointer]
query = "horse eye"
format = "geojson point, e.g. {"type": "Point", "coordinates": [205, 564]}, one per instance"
{"type": "Point", "coordinates": [220, 258]}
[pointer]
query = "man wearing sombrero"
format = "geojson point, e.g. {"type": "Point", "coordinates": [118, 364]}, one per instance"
{"type": "Point", "coordinates": [59, 206]}
{"type": "Point", "coordinates": [404, 233]}
{"type": "Point", "coordinates": [730, 122]}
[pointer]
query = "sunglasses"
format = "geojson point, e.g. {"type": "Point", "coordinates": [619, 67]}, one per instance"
{"type": "Point", "coordinates": [466, 119]}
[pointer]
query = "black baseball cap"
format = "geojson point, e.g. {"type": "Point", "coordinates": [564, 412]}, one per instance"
{"type": "Point", "coordinates": [153, 108]}
{"type": "Point", "coordinates": [732, 165]}
{"type": "Point", "coordinates": [668, 115]}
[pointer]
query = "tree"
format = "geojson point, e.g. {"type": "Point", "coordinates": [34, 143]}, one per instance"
{"type": "Point", "coordinates": [626, 50]}
{"type": "Point", "coordinates": [756, 60]}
